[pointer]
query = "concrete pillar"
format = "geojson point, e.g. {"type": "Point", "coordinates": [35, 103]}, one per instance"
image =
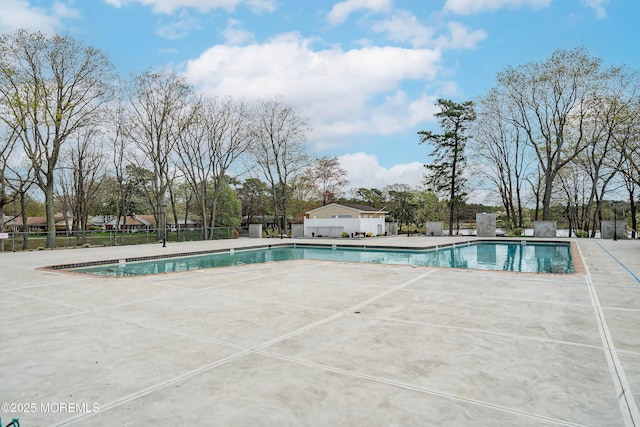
{"type": "Point", "coordinates": [255, 231]}
{"type": "Point", "coordinates": [434, 228]}
{"type": "Point", "coordinates": [607, 229]}
{"type": "Point", "coordinates": [297, 230]}
{"type": "Point", "coordinates": [545, 229]}
{"type": "Point", "coordinates": [486, 225]}
{"type": "Point", "coordinates": [391, 228]}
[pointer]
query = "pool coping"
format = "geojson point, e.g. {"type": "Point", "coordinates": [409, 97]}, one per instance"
{"type": "Point", "coordinates": [576, 258]}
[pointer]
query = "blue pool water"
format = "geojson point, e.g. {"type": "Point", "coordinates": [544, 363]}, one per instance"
{"type": "Point", "coordinates": [522, 257]}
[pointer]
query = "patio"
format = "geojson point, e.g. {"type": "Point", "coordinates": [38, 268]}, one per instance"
{"type": "Point", "coordinates": [320, 343]}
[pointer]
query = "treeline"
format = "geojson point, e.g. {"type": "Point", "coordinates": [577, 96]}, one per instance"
{"type": "Point", "coordinates": [93, 143]}
{"type": "Point", "coordinates": [565, 133]}
{"type": "Point", "coordinates": [556, 140]}
{"type": "Point", "coordinates": [560, 133]}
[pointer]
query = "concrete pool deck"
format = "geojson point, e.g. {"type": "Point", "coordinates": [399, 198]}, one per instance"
{"type": "Point", "coordinates": [320, 343]}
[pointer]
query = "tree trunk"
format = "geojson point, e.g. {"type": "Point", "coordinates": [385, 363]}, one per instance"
{"type": "Point", "coordinates": [546, 198]}
{"type": "Point", "coordinates": [50, 214]}
{"type": "Point", "coordinates": [634, 220]}
{"type": "Point", "coordinates": [23, 214]}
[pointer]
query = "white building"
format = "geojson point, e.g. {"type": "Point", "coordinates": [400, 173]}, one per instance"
{"type": "Point", "coordinates": [334, 219]}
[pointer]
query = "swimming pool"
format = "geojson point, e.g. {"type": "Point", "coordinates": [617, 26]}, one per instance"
{"type": "Point", "coordinates": [506, 256]}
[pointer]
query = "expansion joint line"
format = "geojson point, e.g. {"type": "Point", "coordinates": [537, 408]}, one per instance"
{"type": "Point", "coordinates": [619, 262]}
{"type": "Point", "coordinates": [243, 351]}
{"type": "Point", "coordinates": [625, 396]}
{"type": "Point", "coordinates": [342, 313]}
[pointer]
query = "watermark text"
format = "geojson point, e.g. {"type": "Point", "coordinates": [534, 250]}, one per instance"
{"type": "Point", "coordinates": [49, 407]}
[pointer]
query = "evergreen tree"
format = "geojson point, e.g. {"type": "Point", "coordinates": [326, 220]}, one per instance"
{"type": "Point", "coordinates": [446, 171]}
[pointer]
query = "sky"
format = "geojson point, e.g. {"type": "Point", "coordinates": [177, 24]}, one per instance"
{"type": "Point", "coordinates": [365, 74]}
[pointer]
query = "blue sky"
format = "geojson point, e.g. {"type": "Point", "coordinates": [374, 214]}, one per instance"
{"type": "Point", "coordinates": [365, 73]}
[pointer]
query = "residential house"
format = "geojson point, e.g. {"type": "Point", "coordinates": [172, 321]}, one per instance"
{"type": "Point", "coordinates": [37, 224]}
{"type": "Point", "coordinates": [133, 223]}
{"type": "Point", "coordinates": [334, 219]}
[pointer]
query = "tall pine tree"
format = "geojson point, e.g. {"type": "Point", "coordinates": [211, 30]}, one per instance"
{"type": "Point", "coordinates": [445, 174]}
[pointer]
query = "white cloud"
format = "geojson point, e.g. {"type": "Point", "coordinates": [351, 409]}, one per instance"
{"type": "Point", "coordinates": [20, 14]}
{"type": "Point", "coordinates": [449, 89]}
{"type": "Point", "coordinates": [460, 37]}
{"type": "Point", "coordinates": [398, 112]}
{"type": "Point", "coordinates": [337, 90]}
{"type": "Point", "coordinates": [63, 11]}
{"type": "Point", "coordinates": [170, 6]}
{"type": "Point", "coordinates": [261, 6]}
{"type": "Point", "coordinates": [470, 7]}
{"type": "Point", "coordinates": [404, 27]}
{"type": "Point", "coordinates": [179, 28]}
{"type": "Point", "coordinates": [598, 7]}
{"type": "Point", "coordinates": [341, 11]}
{"type": "Point", "coordinates": [364, 170]}
{"type": "Point", "coordinates": [235, 35]}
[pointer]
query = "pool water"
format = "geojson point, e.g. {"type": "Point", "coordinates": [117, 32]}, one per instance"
{"type": "Point", "coordinates": [505, 256]}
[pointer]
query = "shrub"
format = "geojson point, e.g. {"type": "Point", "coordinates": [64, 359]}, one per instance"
{"type": "Point", "coordinates": [517, 232]}
{"type": "Point", "coordinates": [369, 234]}
{"type": "Point", "coordinates": [345, 234]}
{"type": "Point", "coordinates": [581, 233]}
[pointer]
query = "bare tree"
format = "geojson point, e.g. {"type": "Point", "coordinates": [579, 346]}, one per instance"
{"type": "Point", "coordinates": [576, 192]}
{"type": "Point", "coordinates": [50, 88]}
{"type": "Point", "coordinates": [551, 102]}
{"type": "Point", "coordinates": [328, 178]}
{"type": "Point", "coordinates": [631, 184]}
{"type": "Point", "coordinates": [218, 136]}
{"type": "Point", "coordinates": [607, 127]}
{"type": "Point", "coordinates": [16, 179]}
{"type": "Point", "coordinates": [628, 143]}
{"type": "Point", "coordinates": [254, 195]}
{"type": "Point", "coordinates": [7, 144]}
{"type": "Point", "coordinates": [502, 150]}
{"type": "Point", "coordinates": [280, 151]}
{"type": "Point", "coordinates": [160, 107]}
{"type": "Point", "coordinates": [195, 164]}
{"type": "Point", "coordinates": [119, 153]}
{"type": "Point", "coordinates": [80, 178]}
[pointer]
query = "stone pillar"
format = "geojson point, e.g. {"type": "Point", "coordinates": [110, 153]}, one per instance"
{"type": "Point", "coordinates": [434, 228]}
{"type": "Point", "coordinates": [255, 231]}
{"type": "Point", "coordinates": [391, 228]}
{"type": "Point", "coordinates": [545, 229]}
{"type": "Point", "coordinates": [297, 230]}
{"type": "Point", "coordinates": [607, 229]}
{"type": "Point", "coordinates": [486, 225]}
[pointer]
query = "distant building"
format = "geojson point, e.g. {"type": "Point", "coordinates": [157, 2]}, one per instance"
{"type": "Point", "coordinates": [334, 219]}
{"type": "Point", "coordinates": [37, 223]}
{"type": "Point", "coordinates": [141, 222]}
{"type": "Point", "coordinates": [132, 223]}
